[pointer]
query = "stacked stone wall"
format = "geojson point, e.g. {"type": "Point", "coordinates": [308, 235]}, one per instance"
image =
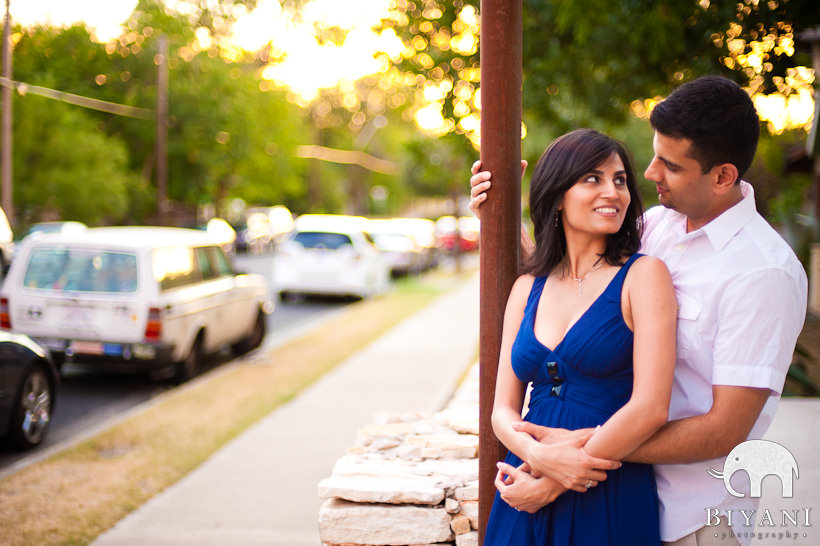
{"type": "Point", "coordinates": [409, 479]}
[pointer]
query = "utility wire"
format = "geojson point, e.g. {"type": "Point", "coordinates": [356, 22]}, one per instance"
{"type": "Point", "coordinates": [77, 100]}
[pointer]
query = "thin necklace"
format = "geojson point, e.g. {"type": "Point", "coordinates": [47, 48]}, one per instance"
{"type": "Point", "coordinates": [579, 280]}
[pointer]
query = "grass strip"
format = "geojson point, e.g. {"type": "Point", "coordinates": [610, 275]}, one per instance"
{"type": "Point", "coordinates": [77, 494]}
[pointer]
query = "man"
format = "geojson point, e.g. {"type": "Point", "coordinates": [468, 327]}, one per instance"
{"type": "Point", "coordinates": [742, 298]}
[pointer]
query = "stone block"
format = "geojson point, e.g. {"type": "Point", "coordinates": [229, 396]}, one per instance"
{"type": "Point", "coordinates": [451, 505]}
{"type": "Point", "coordinates": [346, 522]}
{"type": "Point", "coordinates": [461, 420]}
{"type": "Point", "coordinates": [368, 464]}
{"type": "Point", "coordinates": [445, 446]}
{"type": "Point", "coordinates": [460, 524]}
{"type": "Point", "coordinates": [470, 509]}
{"type": "Point", "coordinates": [468, 492]}
{"type": "Point", "coordinates": [452, 473]}
{"type": "Point", "coordinates": [380, 489]}
{"type": "Point", "coordinates": [467, 539]}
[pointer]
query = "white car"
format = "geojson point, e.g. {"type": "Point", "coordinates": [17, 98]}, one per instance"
{"type": "Point", "coordinates": [6, 242]}
{"type": "Point", "coordinates": [330, 254]}
{"type": "Point", "coordinates": [133, 299]}
{"type": "Point", "coordinates": [409, 244]}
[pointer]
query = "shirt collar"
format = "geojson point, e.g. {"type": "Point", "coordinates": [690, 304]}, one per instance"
{"type": "Point", "coordinates": [724, 227]}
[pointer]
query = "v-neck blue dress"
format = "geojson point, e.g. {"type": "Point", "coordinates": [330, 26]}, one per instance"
{"type": "Point", "coordinates": [581, 383]}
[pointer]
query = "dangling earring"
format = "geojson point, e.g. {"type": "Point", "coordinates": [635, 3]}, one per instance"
{"type": "Point", "coordinates": [557, 216]}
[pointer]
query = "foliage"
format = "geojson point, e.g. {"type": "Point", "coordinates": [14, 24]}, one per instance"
{"type": "Point", "coordinates": [586, 61]}
{"type": "Point", "coordinates": [440, 60]}
{"type": "Point", "coordinates": [229, 136]}
{"type": "Point", "coordinates": [66, 167]}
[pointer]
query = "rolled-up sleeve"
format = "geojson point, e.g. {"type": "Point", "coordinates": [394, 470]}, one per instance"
{"type": "Point", "coordinates": [759, 318]}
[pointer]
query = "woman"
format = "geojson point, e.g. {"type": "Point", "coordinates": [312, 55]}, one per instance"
{"type": "Point", "coordinates": [592, 327]}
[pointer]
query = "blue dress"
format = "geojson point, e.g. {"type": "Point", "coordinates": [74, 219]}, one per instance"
{"type": "Point", "coordinates": [580, 384]}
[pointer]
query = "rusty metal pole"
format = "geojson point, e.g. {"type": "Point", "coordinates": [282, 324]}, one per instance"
{"type": "Point", "coordinates": [500, 213]}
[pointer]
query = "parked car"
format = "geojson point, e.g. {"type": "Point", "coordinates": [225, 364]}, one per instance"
{"type": "Point", "coordinates": [28, 390]}
{"type": "Point", "coordinates": [254, 234]}
{"type": "Point", "coordinates": [330, 254]}
{"type": "Point", "coordinates": [68, 226]}
{"type": "Point", "coordinates": [6, 242]}
{"type": "Point", "coordinates": [463, 232]}
{"type": "Point", "coordinates": [280, 221]}
{"type": "Point", "coordinates": [133, 299]}
{"type": "Point", "coordinates": [223, 234]}
{"type": "Point", "coordinates": [403, 244]}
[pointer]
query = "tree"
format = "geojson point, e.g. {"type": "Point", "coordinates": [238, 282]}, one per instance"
{"type": "Point", "coordinates": [587, 61]}
{"type": "Point", "coordinates": [66, 168]}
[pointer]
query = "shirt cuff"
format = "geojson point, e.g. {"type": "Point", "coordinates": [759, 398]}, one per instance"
{"type": "Point", "coordinates": [732, 375]}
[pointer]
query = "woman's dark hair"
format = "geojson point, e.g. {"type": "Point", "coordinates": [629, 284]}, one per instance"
{"type": "Point", "coordinates": [567, 159]}
{"type": "Point", "coordinates": [717, 116]}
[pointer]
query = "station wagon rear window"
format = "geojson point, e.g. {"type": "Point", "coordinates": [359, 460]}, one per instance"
{"type": "Point", "coordinates": [322, 239]}
{"type": "Point", "coordinates": [81, 270]}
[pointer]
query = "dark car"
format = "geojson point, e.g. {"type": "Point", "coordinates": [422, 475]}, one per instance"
{"type": "Point", "coordinates": [28, 388]}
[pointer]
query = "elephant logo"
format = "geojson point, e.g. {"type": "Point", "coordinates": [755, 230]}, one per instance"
{"type": "Point", "coordinates": [759, 458]}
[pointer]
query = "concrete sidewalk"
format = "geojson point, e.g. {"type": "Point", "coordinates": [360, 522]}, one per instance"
{"type": "Point", "coordinates": [262, 487]}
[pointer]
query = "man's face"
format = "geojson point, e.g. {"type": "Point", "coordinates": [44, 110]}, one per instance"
{"type": "Point", "coordinates": [679, 180]}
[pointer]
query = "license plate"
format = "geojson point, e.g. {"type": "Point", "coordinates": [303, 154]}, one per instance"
{"type": "Point", "coordinates": [87, 347]}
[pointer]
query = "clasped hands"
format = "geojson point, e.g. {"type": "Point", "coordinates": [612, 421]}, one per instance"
{"type": "Point", "coordinates": [555, 462]}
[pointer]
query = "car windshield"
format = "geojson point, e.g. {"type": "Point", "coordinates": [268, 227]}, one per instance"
{"type": "Point", "coordinates": [322, 239]}
{"type": "Point", "coordinates": [81, 270]}
{"type": "Point", "coordinates": [393, 241]}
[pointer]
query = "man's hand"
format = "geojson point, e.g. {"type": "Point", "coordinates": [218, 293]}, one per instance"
{"type": "Point", "coordinates": [524, 491]}
{"type": "Point", "coordinates": [559, 454]}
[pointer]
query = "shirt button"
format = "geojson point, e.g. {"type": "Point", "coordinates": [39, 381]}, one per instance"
{"type": "Point", "coordinates": [679, 246]}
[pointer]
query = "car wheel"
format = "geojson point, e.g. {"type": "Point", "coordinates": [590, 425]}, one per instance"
{"type": "Point", "coordinates": [191, 366]}
{"type": "Point", "coordinates": [32, 409]}
{"type": "Point", "coordinates": [254, 337]}
{"type": "Point", "coordinates": [287, 296]}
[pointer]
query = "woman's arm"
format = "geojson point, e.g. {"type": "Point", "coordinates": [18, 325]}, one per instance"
{"type": "Point", "coordinates": [509, 390]}
{"type": "Point", "coordinates": [650, 310]}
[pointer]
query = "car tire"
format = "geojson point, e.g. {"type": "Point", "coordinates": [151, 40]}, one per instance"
{"type": "Point", "coordinates": [32, 409]}
{"type": "Point", "coordinates": [192, 365]}
{"type": "Point", "coordinates": [254, 337]}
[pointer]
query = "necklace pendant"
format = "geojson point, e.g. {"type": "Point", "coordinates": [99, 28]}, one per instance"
{"type": "Point", "coordinates": [580, 289]}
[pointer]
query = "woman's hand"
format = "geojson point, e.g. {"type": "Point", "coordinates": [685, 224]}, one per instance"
{"type": "Point", "coordinates": [480, 183]}
{"type": "Point", "coordinates": [559, 454]}
{"type": "Point", "coordinates": [525, 491]}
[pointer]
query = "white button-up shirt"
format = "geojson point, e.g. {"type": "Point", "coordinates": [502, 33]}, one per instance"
{"type": "Point", "coordinates": [742, 298]}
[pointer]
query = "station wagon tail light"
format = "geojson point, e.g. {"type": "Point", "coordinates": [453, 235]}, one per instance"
{"type": "Point", "coordinates": [153, 327]}
{"type": "Point", "coordinates": [5, 314]}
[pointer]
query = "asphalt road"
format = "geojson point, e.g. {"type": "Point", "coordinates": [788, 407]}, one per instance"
{"type": "Point", "coordinates": [88, 399]}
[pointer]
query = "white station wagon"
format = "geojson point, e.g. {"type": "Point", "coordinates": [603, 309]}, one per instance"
{"type": "Point", "coordinates": [133, 299]}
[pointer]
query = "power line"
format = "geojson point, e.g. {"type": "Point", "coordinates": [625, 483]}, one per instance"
{"type": "Point", "coordinates": [350, 157]}
{"type": "Point", "coordinates": [77, 100]}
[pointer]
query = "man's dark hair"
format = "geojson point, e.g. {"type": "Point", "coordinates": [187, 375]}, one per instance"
{"type": "Point", "coordinates": [717, 116]}
{"type": "Point", "coordinates": [564, 162]}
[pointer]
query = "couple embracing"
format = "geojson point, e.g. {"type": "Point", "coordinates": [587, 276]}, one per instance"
{"type": "Point", "coordinates": [654, 343]}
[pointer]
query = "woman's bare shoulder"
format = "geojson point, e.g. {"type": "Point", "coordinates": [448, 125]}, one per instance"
{"type": "Point", "coordinates": [649, 273]}
{"type": "Point", "coordinates": [521, 288]}
{"type": "Point", "coordinates": [649, 266]}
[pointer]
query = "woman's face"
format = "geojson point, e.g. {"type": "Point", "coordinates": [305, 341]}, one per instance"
{"type": "Point", "coordinates": [597, 203]}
